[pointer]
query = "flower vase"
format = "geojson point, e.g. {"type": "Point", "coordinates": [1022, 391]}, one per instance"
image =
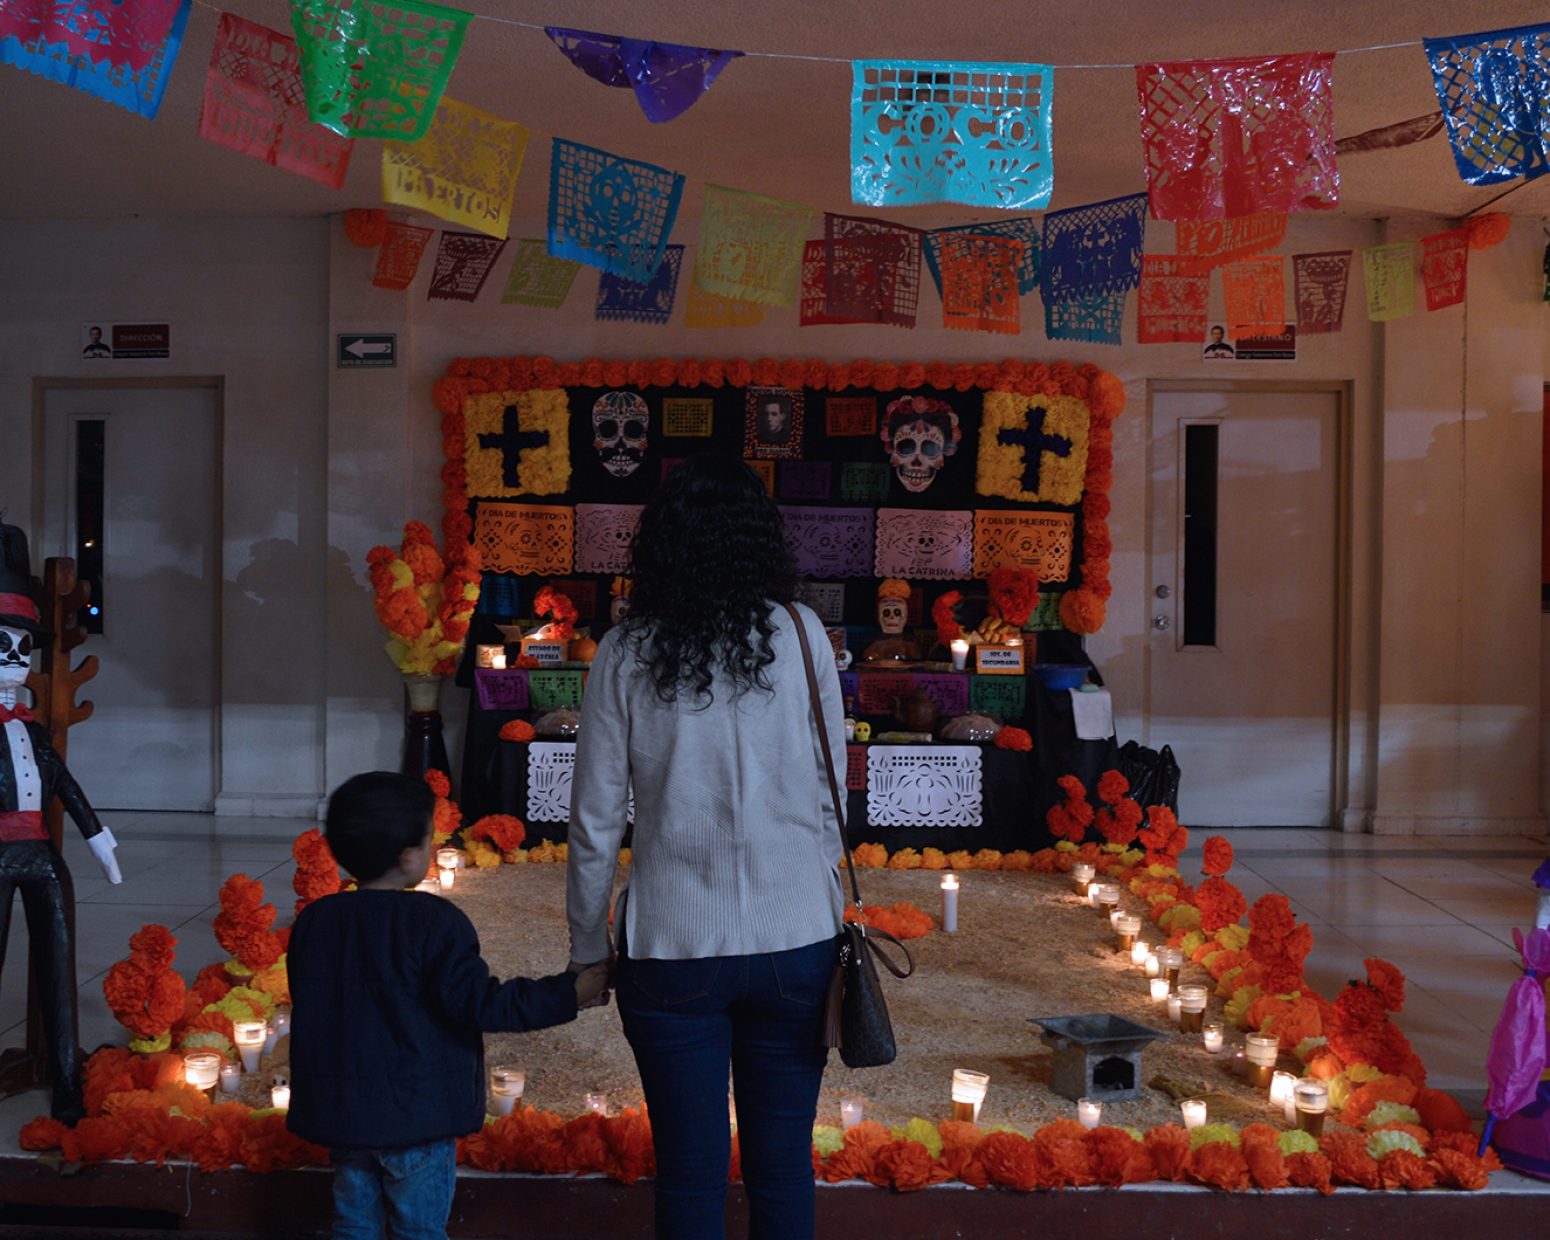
{"type": "Point", "coordinates": [424, 748]}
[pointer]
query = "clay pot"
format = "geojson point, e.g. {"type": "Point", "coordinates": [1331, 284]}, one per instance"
{"type": "Point", "coordinates": [916, 712]}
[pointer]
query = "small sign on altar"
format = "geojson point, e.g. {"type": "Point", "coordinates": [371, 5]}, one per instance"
{"type": "Point", "coordinates": [998, 660]}
{"type": "Point", "coordinates": [547, 653]}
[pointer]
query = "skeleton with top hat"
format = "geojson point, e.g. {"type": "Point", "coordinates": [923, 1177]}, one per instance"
{"type": "Point", "coordinates": [32, 774]}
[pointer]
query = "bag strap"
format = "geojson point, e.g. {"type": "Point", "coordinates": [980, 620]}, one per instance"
{"type": "Point", "coordinates": [816, 697]}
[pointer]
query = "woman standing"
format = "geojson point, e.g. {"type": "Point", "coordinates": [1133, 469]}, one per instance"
{"type": "Point", "coordinates": [699, 700]}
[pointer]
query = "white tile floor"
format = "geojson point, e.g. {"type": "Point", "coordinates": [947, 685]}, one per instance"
{"type": "Point", "coordinates": [1440, 908]}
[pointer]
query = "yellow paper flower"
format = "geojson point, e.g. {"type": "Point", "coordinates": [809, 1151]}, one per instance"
{"type": "Point", "coordinates": [149, 1046]}
{"type": "Point", "coordinates": [922, 1130]}
{"type": "Point", "coordinates": [1237, 1009]}
{"type": "Point", "coordinates": [828, 1139]}
{"type": "Point", "coordinates": [542, 468]}
{"type": "Point", "coordinates": [481, 854]}
{"type": "Point", "coordinates": [1002, 465]}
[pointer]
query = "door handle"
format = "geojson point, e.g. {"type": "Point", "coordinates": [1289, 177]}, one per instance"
{"type": "Point", "coordinates": [1161, 623]}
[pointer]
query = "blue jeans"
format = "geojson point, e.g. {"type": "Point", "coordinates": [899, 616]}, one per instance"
{"type": "Point", "coordinates": [686, 1021]}
{"type": "Point", "coordinates": [403, 1194]}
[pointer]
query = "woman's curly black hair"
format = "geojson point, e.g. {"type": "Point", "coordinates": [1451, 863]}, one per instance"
{"type": "Point", "coordinates": [709, 561]}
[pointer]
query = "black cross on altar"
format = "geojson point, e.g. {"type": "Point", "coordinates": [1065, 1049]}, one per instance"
{"type": "Point", "coordinates": [510, 440]}
{"type": "Point", "coordinates": [1035, 443]}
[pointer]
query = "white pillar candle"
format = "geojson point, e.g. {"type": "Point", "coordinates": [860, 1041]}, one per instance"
{"type": "Point", "coordinates": [969, 1088]}
{"type": "Point", "coordinates": [1159, 988]}
{"type": "Point", "coordinates": [1153, 965]}
{"type": "Point", "coordinates": [1281, 1084]}
{"type": "Point", "coordinates": [231, 1078]}
{"type": "Point", "coordinates": [498, 661]}
{"type": "Point", "coordinates": [1213, 1035]}
{"type": "Point", "coordinates": [597, 1103]}
{"type": "Point", "coordinates": [280, 1097]}
{"type": "Point", "coordinates": [445, 877]}
{"type": "Point", "coordinates": [1089, 1111]}
{"type": "Point", "coordinates": [1173, 1008]}
{"type": "Point", "coordinates": [1139, 952]}
{"type": "Point", "coordinates": [1194, 1110]}
{"type": "Point", "coordinates": [950, 903]}
{"type": "Point", "coordinates": [851, 1112]}
{"type": "Point", "coordinates": [201, 1069]}
{"type": "Point", "coordinates": [250, 1037]}
{"type": "Point", "coordinates": [506, 1086]}
{"type": "Point", "coordinates": [960, 649]}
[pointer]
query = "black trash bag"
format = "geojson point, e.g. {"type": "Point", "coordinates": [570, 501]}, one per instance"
{"type": "Point", "coordinates": [1153, 776]}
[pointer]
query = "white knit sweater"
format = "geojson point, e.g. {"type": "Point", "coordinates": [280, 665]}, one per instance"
{"type": "Point", "coordinates": [736, 840]}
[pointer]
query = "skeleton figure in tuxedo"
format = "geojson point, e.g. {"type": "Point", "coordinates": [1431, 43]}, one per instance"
{"type": "Point", "coordinates": [32, 774]}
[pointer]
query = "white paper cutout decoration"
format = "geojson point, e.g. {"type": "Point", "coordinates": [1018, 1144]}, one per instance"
{"type": "Point", "coordinates": [924, 786]}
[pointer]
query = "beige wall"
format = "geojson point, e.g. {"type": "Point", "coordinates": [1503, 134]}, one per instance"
{"type": "Point", "coordinates": [322, 463]}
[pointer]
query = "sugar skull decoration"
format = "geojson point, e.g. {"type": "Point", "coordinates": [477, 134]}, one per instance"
{"type": "Point", "coordinates": [893, 606]}
{"type": "Point", "coordinates": [619, 604]}
{"type": "Point", "coordinates": [619, 424]}
{"type": "Point", "coordinates": [920, 433]}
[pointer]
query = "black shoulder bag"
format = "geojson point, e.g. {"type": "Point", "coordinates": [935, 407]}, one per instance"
{"type": "Point", "coordinates": [855, 1016]}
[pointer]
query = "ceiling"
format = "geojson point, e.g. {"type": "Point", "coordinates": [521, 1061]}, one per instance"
{"type": "Point", "coordinates": [774, 126]}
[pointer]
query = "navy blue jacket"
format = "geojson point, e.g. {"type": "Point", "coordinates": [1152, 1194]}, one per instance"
{"type": "Point", "coordinates": [390, 1003]}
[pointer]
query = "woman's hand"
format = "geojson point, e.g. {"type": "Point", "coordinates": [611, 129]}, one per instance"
{"type": "Point", "coordinates": [592, 982]}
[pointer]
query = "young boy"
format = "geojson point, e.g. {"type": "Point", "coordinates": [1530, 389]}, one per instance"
{"type": "Point", "coordinates": [390, 1000]}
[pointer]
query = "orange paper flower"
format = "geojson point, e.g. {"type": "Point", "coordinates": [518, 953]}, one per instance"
{"type": "Point", "coordinates": [517, 730]}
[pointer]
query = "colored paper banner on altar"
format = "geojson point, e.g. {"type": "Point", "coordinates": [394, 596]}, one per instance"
{"type": "Point", "coordinates": [855, 768]}
{"type": "Point", "coordinates": [924, 785]}
{"type": "Point", "coordinates": [1095, 318]}
{"type": "Point", "coordinates": [610, 212]}
{"type": "Point", "coordinates": [850, 415]}
{"type": "Point", "coordinates": [876, 691]}
{"type": "Point", "coordinates": [710, 310]}
{"type": "Point", "coordinates": [1210, 243]}
{"type": "Point", "coordinates": [688, 417]}
{"type": "Point", "coordinates": [1254, 290]}
{"type": "Point", "coordinates": [516, 443]}
{"type": "Point", "coordinates": [1389, 271]}
{"type": "Point", "coordinates": [871, 270]}
{"type": "Point", "coordinates": [751, 246]}
{"type": "Point", "coordinates": [502, 689]}
{"type": "Point", "coordinates": [830, 542]}
{"type": "Point", "coordinates": [1045, 617]}
{"type": "Point", "coordinates": [921, 543]}
{"type": "Point", "coordinates": [1025, 229]}
{"type": "Point", "coordinates": [464, 170]}
{"type": "Point", "coordinates": [806, 481]}
{"type": "Point", "coordinates": [667, 78]}
{"type": "Point", "coordinates": [863, 482]}
{"type": "Point", "coordinates": [826, 598]}
{"type": "Point", "coordinates": [1225, 138]}
{"type": "Point", "coordinates": [621, 300]}
{"type": "Point", "coordinates": [813, 307]}
{"type": "Point", "coordinates": [536, 279]}
{"type": "Point", "coordinates": [850, 684]}
{"type": "Point", "coordinates": [1445, 267]}
{"type": "Point", "coordinates": [1004, 697]}
{"type": "Point", "coordinates": [1320, 282]}
{"type": "Point", "coordinates": [1041, 542]}
{"type": "Point", "coordinates": [399, 258]}
{"type": "Point", "coordinates": [766, 472]}
{"type": "Point", "coordinates": [525, 538]}
{"type": "Point", "coordinates": [120, 51]}
{"type": "Point", "coordinates": [603, 533]}
{"type": "Point", "coordinates": [1033, 449]}
{"type": "Point", "coordinates": [375, 69]}
{"type": "Point", "coordinates": [979, 283]}
{"type": "Point", "coordinates": [1171, 307]}
{"type": "Point", "coordinates": [552, 688]}
{"type": "Point", "coordinates": [950, 693]}
{"type": "Point", "coordinates": [1493, 88]}
{"type": "Point", "coordinates": [581, 592]}
{"type": "Point", "coordinates": [254, 104]}
{"type": "Point", "coordinates": [951, 131]}
{"type": "Point", "coordinates": [463, 264]}
{"type": "Point", "coordinates": [1093, 249]}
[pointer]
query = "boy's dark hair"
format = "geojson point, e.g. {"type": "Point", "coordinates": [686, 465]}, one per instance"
{"type": "Point", "coordinates": [372, 818]}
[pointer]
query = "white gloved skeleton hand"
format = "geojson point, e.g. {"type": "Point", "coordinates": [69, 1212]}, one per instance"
{"type": "Point", "coordinates": [102, 845]}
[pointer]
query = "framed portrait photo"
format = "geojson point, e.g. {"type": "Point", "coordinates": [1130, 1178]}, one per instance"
{"type": "Point", "coordinates": [772, 423]}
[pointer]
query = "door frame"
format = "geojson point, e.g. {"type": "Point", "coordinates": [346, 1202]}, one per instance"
{"type": "Point", "coordinates": [1342, 390]}
{"type": "Point", "coordinates": [42, 385]}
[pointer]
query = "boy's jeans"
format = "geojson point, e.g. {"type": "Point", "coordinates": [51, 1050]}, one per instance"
{"type": "Point", "coordinates": [405, 1194]}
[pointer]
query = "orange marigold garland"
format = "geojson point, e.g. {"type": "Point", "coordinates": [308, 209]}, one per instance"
{"type": "Point", "coordinates": [1069, 819]}
{"type": "Point", "coordinates": [424, 599]}
{"type": "Point", "coordinates": [1014, 593]}
{"type": "Point", "coordinates": [1217, 857]}
{"type": "Point", "coordinates": [243, 926]}
{"type": "Point", "coordinates": [902, 920]}
{"type": "Point", "coordinates": [503, 831]}
{"type": "Point", "coordinates": [1017, 739]}
{"type": "Point", "coordinates": [1163, 837]}
{"type": "Point", "coordinates": [1120, 818]}
{"type": "Point", "coordinates": [550, 601]}
{"type": "Point", "coordinates": [446, 818]}
{"type": "Point", "coordinates": [317, 872]}
{"type": "Point", "coordinates": [143, 992]}
{"type": "Point", "coordinates": [517, 730]}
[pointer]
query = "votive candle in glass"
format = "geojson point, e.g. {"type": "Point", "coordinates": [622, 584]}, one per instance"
{"type": "Point", "coordinates": [960, 652]}
{"type": "Point", "coordinates": [484, 655]}
{"type": "Point", "coordinates": [445, 877]}
{"type": "Point", "coordinates": [852, 1111]}
{"type": "Point", "coordinates": [949, 903]}
{"type": "Point", "coordinates": [1107, 897]}
{"type": "Point", "coordinates": [1311, 1098]}
{"type": "Point", "coordinates": [969, 1089]}
{"type": "Point", "coordinates": [1082, 875]}
{"type": "Point", "coordinates": [1173, 1008]}
{"type": "Point", "coordinates": [597, 1103]}
{"type": "Point", "coordinates": [1139, 951]}
{"type": "Point", "coordinates": [1153, 965]}
{"type": "Point", "coordinates": [1127, 926]}
{"type": "Point", "coordinates": [1213, 1035]}
{"type": "Point", "coordinates": [1089, 1111]}
{"type": "Point", "coordinates": [506, 1086]}
{"type": "Point", "coordinates": [231, 1078]}
{"type": "Point", "coordinates": [280, 1097]}
{"type": "Point", "coordinates": [449, 858]}
{"type": "Point", "coordinates": [1159, 989]}
{"type": "Point", "coordinates": [1281, 1088]}
{"type": "Point", "coordinates": [1172, 960]}
{"type": "Point", "coordinates": [1261, 1050]}
{"type": "Point", "coordinates": [1192, 1007]}
{"type": "Point", "coordinates": [1194, 1110]}
{"type": "Point", "coordinates": [250, 1036]}
{"type": "Point", "coordinates": [201, 1069]}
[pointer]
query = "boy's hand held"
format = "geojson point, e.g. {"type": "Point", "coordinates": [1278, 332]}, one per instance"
{"type": "Point", "coordinates": [592, 986]}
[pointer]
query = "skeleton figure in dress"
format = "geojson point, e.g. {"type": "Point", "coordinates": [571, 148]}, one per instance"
{"type": "Point", "coordinates": [32, 774]}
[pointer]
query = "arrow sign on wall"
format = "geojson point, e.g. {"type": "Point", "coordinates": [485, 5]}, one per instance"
{"type": "Point", "coordinates": [367, 350]}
